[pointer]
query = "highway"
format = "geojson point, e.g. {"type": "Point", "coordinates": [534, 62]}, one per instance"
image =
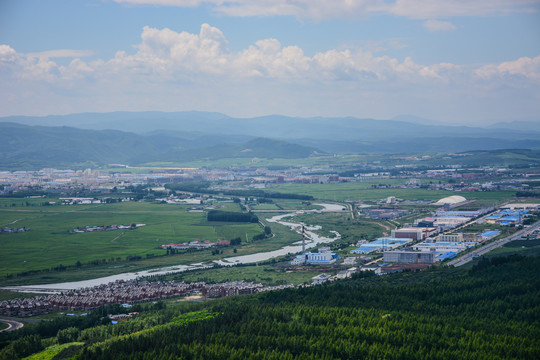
{"type": "Point", "coordinates": [13, 325]}
{"type": "Point", "coordinates": [497, 243]}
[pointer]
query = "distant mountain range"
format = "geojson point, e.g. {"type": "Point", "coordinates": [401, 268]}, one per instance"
{"type": "Point", "coordinates": [522, 125]}
{"type": "Point", "coordinates": [141, 137]}
{"type": "Point", "coordinates": [35, 147]}
{"type": "Point", "coordinates": [275, 126]}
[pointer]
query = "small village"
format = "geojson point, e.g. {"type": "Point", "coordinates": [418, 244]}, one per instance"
{"type": "Point", "coordinates": [105, 228]}
{"type": "Point", "coordinates": [196, 245]}
{"type": "Point", "coordinates": [8, 230]}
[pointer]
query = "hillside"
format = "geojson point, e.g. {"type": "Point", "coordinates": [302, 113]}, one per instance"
{"type": "Point", "coordinates": [405, 134]}
{"type": "Point", "coordinates": [35, 147]}
{"type": "Point", "coordinates": [489, 312]}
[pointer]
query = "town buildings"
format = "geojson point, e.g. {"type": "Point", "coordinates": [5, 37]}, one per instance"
{"type": "Point", "coordinates": [125, 292]}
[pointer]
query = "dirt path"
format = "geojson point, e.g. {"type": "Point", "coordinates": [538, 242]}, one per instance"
{"type": "Point", "coordinates": [118, 237]}
{"type": "Point", "coordinates": [385, 226]}
{"type": "Point", "coordinates": [11, 223]}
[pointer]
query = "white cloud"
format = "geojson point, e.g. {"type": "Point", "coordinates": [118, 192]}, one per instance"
{"type": "Point", "coordinates": [7, 54]}
{"type": "Point", "coordinates": [183, 55]}
{"type": "Point", "coordinates": [435, 9]}
{"type": "Point", "coordinates": [437, 25]}
{"type": "Point", "coordinates": [62, 53]}
{"type": "Point", "coordinates": [325, 9]}
{"type": "Point", "coordinates": [164, 55]}
{"type": "Point", "coordinates": [525, 67]}
{"type": "Point", "coordinates": [37, 67]}
{"type": "Point", "coordinates": [171, 70]}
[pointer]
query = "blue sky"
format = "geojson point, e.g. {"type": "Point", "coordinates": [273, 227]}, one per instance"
{"type": "Point", "coordinates": [453, 61]}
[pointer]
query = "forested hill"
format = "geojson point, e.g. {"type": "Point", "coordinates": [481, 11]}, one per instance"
{"type": "Point", "coordinates": [25, 147]}
{"type": "Point", "coordinates": [490, 312]}
{"type": "Point", "coordinates": [348, 135]}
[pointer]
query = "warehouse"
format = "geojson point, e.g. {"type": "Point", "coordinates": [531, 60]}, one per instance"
{"type": "Point", "coordinates": [409, 257]}
{"type": "Point", "coordinates": [441, 247]}
{"type": "Point", "coordinates": [488, 235]}
{"type": "Point", "coordinates": [381, 244]}
{"type": "Point", "coordinates": [413, 233]}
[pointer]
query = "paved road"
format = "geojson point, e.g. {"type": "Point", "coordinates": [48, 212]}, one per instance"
{"type": "Point", "coordinates": [13, 325]}
{"type": "Point", "coordinates": [497, 243]}
{"type": "Point", "coordinates": [482, 218]}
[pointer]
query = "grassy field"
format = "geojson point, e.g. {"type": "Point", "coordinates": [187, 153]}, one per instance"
{"type": "Point", "coordinates": [265, 274]}
{"type": "Point", "coordinates": [348, 161]}
{"type": "Point", "coordinates": [289, 204]}
{"type": "Point", "coordinates": [8, 295]}
{"type": "Point", "coordinates": [320, 161]}
{"type": "Point", "coordinates": [52, 351]}
{"type": "Point", "coordinates": [49, 242]}
{"type": "Point", "coordinates": [357, 191]}
{"type": "Point", "coordinates": [265, 207]}
{"type": "Point", "coordinates": [522, 247]}
{"type": "Point", "coordinates": [283, 237]}
{"type": "Point", "coordinates": [351, 230]}
{"type": "Point", "coordinates": [46, 246]}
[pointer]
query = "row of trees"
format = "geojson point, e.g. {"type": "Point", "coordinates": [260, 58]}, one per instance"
{"type": "Point", "coordinates": [203, 187]}
{"type": "Point", "coordinates": [231, 216]}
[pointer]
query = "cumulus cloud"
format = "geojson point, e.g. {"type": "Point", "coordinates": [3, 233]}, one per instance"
{"type": "Point", "coordinates": [38, 67]}
{"type": "Point", "coordinates": [199, 70]}
{"type": "Point", "coordinates": [164, 55]}
{"type": "Point", "coordinates": [525, 67]}
{"type": "Point", "coordinates": [436, 25]}
{"type": "Point", "coordinates": [324, 9]}
{"type": "Point", "coordinates": [184, 55]}
{"type": "Point", "coordinates": [7, 55]}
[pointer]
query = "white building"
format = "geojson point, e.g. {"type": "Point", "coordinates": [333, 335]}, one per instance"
{"type": "Point", "coordinates": [442, 247]}
{"type": "Point", "coordinates": [320, 279]}
{"type": "Point", "coordinates": [323, 257]}
{"type": "Point", "coordinates": [450, 237]}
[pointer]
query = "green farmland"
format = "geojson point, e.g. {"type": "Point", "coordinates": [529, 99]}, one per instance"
{"type": "Point", "coordinates": [49, 243]}
{"type": "Point", "coordinates": [363, 191]}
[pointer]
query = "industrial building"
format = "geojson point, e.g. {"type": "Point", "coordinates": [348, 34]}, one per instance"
{"type": "Point", "coordinates": [441, 247]}
{"type": "Point", "coordinates": [450, 222]}
{"type": "Point", "coordinates": [462, 213]}
{"type": "Point", "coordinates": [416, 233]}
{"type": "Point", "coordinates": [523, 206]}
{"type": "Point", "coordinates": [385, 214]}
{"type": "Point", "coordinates": [507, 217]}
{"type": "Point", "coordinates": [409, 257]}
{"type": "Point", "coordinates": [381, 244]}
{"type": "Point", "coordinates": [323, 257]}
{"type": "Point", "coordinates": [450, 238]}
{"type": "Point", "coordinates": [320, 279]}
{"type": "Point", "coordinates": [452, 200]}
{"type": "Point", "coordinates": [488, 235]}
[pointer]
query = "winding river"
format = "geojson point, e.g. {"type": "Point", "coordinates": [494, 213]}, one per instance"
{"type": "Point", "coordinates": [312, 240]}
